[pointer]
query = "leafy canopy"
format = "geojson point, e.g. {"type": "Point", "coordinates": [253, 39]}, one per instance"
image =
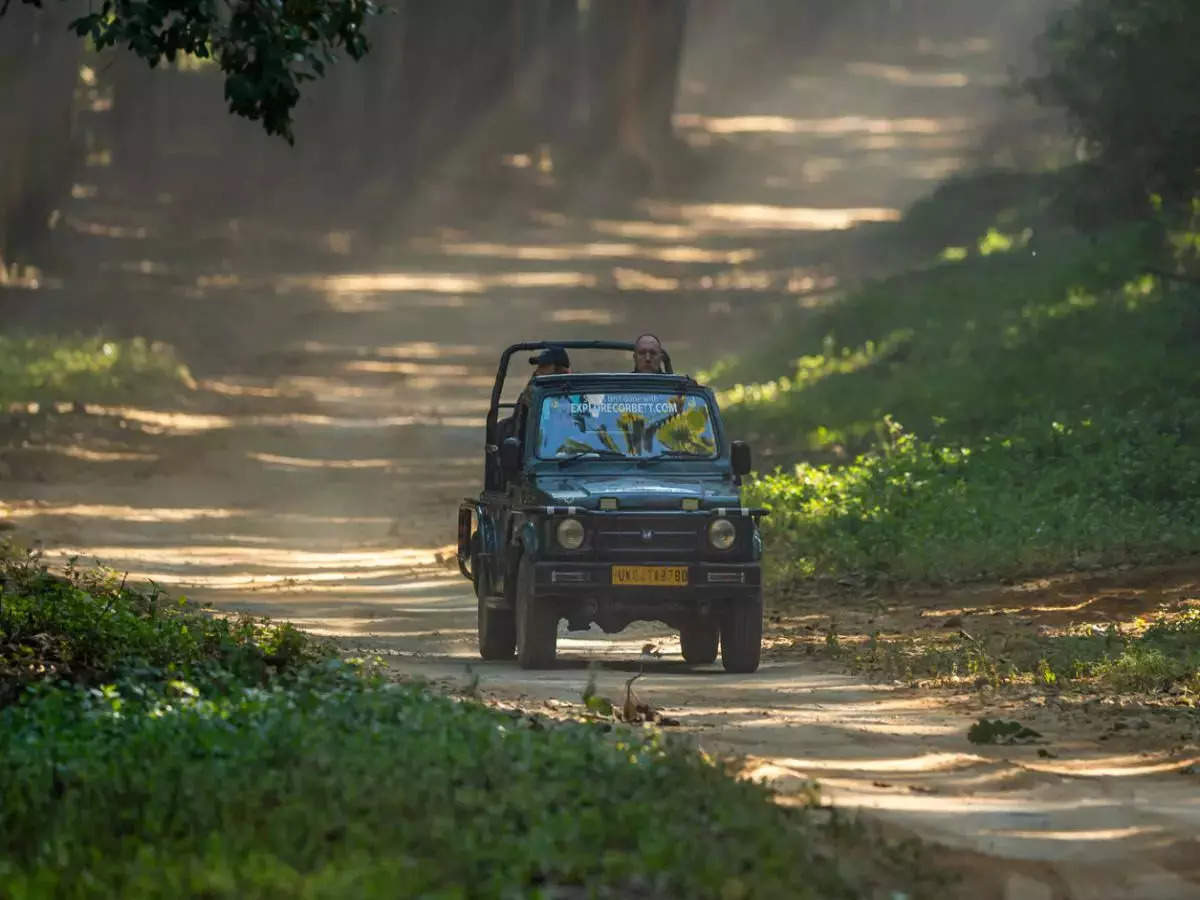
{"type": "Point", "coordinates": [265, 48]}
{"type": "Point", "coordinates": [1126, 73]}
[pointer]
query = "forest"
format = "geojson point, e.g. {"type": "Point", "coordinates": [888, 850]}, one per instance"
{"type": "Point", "coordinates": [932, 265]}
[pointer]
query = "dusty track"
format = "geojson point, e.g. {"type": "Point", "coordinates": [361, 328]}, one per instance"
{"type": "Point", "coordinates": [315, 473]}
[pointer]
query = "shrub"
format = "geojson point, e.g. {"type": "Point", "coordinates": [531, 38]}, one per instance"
{"type": "Point", "coordinates": [1045, 495]}
{"type": "Point", "coordinates": [87, 627]}
{"type": "Point", "coordinates": [1126, 72]}
{"type": "Point", "coordinates": [46, 369]}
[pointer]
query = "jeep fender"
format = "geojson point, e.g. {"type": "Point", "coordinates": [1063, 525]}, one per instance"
{"type": "Point", "coordinates": [526, 538]}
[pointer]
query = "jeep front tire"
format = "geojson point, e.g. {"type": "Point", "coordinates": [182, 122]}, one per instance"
{"type": "Point", "coordinates": [698, 640]}
{"type": "Point", "coordinates": [741, 634]}
{"type": "Point", "coordinates": [537, 623]}
{"type": "Point", "coordinates": [497, 627]}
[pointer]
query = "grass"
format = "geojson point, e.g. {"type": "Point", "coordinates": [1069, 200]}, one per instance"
{"type": "Point", "coordinates": [1024, 403]}
{"type": "Point", "coordinates": [1162, 656]}
{"type": "Point", "coordinates": [149, 749]}
{"type": "Point", "coordinates": [50, 369]}
{"type": "Point", "coordinates": [1046, 496]}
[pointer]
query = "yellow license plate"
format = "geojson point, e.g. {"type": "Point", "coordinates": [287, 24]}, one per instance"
{"type": "Point", "coordinates": [656, 576]}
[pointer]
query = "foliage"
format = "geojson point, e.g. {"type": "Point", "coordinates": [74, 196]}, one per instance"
{"type": "Point", "coordinates": [46, 369]}
{"type": "Point", "coordinates": [1024, 405]}
{"type": "Point", "coordinates": [1061, 328]}
{"type": "Point", "coordinates": [193, 756]}
{"type": "Point", "coordinates": [1125, 71]}
{"type": "Point", "coordinates": [1109, 489]}
{"type": "Point", "coordinates": [87, 627]}
{"type": "Point", "coordinates": [265, 50]}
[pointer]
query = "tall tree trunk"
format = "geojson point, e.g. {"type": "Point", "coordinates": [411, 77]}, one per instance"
{"type": "Point", "coordinates": [560, 88]}
{"type": "Point", "coordinates": [39, 67]}
{"type": "Point", "coordinates": [635, 49]}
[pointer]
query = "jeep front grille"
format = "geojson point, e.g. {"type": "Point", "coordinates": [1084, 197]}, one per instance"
{"type": "Point", "coordinates": [638, 538]}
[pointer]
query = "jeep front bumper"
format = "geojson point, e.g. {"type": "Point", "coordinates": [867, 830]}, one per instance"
{"type": "Point", "coordinates": [711, 580]}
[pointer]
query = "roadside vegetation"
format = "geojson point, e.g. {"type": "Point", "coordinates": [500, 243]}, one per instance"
{"type": "Point", "coordinates": [86, 369]}
{"type": "Point", "coordinates": [149, 748]}
{"type": "Point", "coordinates": [1024, 404]}
{"type": "Point", "coordinates": [1158, 657]}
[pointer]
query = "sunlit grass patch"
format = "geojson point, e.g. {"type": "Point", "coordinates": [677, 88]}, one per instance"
{"type": "Point", "coordinates": [968, 348]}
{"type": "Point", "coordinates": [48, 369]}
{"type": "Point", "coordinates": [1158, 657]}
{"type": "Point", "coordinates": [1101, 491]}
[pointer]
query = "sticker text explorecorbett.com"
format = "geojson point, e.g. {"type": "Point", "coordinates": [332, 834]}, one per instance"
{"type": "Point", "coordinates": [616, 407]}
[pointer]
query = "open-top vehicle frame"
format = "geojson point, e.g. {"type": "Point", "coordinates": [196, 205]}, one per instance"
{"type": "Point", "coordinates": [612, 497]}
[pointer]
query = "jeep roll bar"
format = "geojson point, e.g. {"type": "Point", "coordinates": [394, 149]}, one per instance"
{"type": "Point", "coordinates": [502, 370]}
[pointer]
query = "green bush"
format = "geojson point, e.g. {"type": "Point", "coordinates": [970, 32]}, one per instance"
{"type": "Point", "coordinates": [338, 787]}
{"type": "Point", "coordinates": [1110, 489]}
{"type": "Point", "coordinates": [88, 628]}
{"type": "Point", "coordinates": [44, 369]}
{"type": "Point", "coordinates": [150, 749]}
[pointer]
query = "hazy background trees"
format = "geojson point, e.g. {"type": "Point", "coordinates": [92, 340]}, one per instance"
{"type": "Point", "coordinates": [582, 89]}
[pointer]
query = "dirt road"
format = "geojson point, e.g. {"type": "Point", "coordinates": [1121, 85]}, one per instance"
{"type": "Point", "coordinates": [314, 474]}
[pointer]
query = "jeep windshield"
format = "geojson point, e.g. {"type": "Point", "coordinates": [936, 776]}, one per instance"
{"type": "Point", "coordinates": [625, 424]}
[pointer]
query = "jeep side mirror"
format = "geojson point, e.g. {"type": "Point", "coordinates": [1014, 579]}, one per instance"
{"type": "Point", "coordinates": [510, 455]}
{"type": "Point", "coordinates": [739, 452]}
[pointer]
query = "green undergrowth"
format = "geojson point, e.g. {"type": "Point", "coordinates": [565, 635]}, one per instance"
{"type": "Point", "coordinates": [1105, 490]}
{"type": "Point", "coordinates": [149, 749]}
{"type": "Point", "coordinates": [1024, 403]}
{"type": "Point", "coordinates": [1159, 657]}
{"type": "Point", "coordinates": [54, 369]}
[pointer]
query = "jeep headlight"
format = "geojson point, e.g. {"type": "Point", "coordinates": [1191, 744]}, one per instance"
{"type": "Point", "coordinates": [570, 534]}
{"type": "Point", "coordinates": [722, 534]}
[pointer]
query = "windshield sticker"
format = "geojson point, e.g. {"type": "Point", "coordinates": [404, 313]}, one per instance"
{"type": "Point", "coordinates": [637, 425]}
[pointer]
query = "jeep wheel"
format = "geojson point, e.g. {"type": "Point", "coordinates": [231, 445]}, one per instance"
{"type": "Point", "coordinates": [497, 627]}
{"type": "Point", "coordinates": [741, 634]}
{"type": "Point", "coordinates": [699, 638]}
{"type": "Point", "coordinates": [537, 623]}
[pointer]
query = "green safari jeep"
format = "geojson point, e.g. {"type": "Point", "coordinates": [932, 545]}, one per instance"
{"type": "Point", "coordinates": [612, 498]}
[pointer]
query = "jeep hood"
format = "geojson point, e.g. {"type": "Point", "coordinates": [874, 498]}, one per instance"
{"type": "Point", "coordinates": [641, 490]}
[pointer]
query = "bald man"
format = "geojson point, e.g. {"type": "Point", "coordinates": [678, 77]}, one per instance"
{"type": "Point", "coordinates": [648, 354]}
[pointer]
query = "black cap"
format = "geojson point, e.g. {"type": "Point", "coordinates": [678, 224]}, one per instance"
{"type": "Point", "coordinates": [551, 356]}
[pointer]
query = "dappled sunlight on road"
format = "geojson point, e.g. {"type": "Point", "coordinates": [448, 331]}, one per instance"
{"type": "Point", "coordinates": [41, 509]}
{"type": "Point", "coordinates": [395, 465]}
{"type": "Point", "coordinates": [762, 217]}
{"type": "Point", "coordinates": [677, 254]}
{"type": "Point", "coordinates": [87, 454]}
{"type": "Point", "coordinates": [836, 126]}
{"type": "Point", "coordinates": [258, 557]}
{"type": "Point", "coordinates": [903, 75]}
{"type": "Point", "coordinates": [407, 350]}
{"type": "Point", "coordinates": [432, 283]}
{"type": "Point", "coordinates": [154, 421]}
{"type": "Point", "coordinates": [651, 231]}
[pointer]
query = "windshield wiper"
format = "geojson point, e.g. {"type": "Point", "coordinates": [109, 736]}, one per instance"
{"type": "Point", "coordinates": [596, 454]}
{"type": "Point", "coordinates": [675, 454]}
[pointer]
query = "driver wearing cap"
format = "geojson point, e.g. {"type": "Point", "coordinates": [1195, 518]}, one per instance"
{"type": "Point", "coordinates": [551, 361]}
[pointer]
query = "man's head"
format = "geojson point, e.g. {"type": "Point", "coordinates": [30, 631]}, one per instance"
{"type": "Point", "coordinates": [551, 361]}
{"type": "Point", "coordinates": [647, 354]}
